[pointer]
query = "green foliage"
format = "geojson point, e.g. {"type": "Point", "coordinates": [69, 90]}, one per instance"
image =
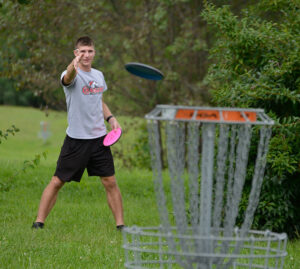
{"type": "Point", "coordinates": [9, 95]}
{"type": "Point", "coordinates": [141, 149]}
{"type": "Point", "coordinates": [34, 162]}
{"type": "Point", "coordinates": [170, 35]}
{"type": "Point", "coordinates": [257, 64]}
{"type": "Point", "coordinates": [132, 150]}
{"type": "Point", "coordinates": [278, 206]}
{"type": "Point", "coordinates": [7, 132]}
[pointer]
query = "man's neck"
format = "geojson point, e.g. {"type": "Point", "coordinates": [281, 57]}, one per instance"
{"type": "Point", "coordinates": [85, 68]}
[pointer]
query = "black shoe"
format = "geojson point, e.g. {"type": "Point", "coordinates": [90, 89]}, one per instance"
{"type": "Point", "coordinates": [120, 227]}
{"type": "Point", "coordinates": [37, 225]}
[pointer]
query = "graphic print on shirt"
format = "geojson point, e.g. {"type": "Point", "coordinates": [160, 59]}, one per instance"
{"type": "Point", "coordinates": [92, 88]}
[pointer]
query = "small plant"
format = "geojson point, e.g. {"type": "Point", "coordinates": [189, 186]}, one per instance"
{"type": "Point", "coordinates": [34, 162]}
{"type": "Point", "coordinates": [7, 132]}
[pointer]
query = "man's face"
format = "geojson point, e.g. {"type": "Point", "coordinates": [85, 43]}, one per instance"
{"type": "Point", "coordinates": [88, 54]}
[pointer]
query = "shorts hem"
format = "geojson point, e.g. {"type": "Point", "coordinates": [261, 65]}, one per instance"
{"type": "Point", "coordinates": [102, 175]}
{"type": "Point", "coordinates": [66, 180]}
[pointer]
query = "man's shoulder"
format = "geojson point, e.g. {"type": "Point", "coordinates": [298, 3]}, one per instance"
{"type": "Point", "coordinates": [97, 71]}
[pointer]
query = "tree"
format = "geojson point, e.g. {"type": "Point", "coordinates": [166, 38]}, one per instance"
{"type": "Point", "coordinates": [37, 38]}
{"type": "Point", "coordinates": [257, 64]}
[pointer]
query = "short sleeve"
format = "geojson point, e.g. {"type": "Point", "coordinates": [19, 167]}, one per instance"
{"type": "Point", "coordinates": [61, 80]}
{"type": "Point", "coordinates": [104, 82]}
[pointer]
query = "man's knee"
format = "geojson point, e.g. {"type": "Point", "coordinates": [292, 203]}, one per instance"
{"type": "Point", "coordinates": [109, 183]}
{"type": "Point", "coordinates": [56, 182]}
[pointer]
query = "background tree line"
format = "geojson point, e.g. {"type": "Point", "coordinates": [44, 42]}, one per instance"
{"type": "Point", "coordinates": [244, 54]}
{"type": "Point", "coordinates": [37, 39]}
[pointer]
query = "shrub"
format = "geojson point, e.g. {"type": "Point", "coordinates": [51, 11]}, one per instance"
{"type": "Point", "coordinates": [256, 64]}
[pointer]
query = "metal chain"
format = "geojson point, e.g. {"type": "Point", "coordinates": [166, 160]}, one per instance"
{"type": "Point", "coordinates": [175, 139]}
{"type": "Point", "coordinates": [213, 201]}
{"type": "Point", "coordinates": [155, 151]}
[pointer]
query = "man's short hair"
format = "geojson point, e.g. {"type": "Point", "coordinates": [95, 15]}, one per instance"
{"type": "Point", "coordinates": [84, 41]}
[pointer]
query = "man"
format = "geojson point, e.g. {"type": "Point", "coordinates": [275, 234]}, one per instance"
{"type": "Point", "coordinates": [83, 145]}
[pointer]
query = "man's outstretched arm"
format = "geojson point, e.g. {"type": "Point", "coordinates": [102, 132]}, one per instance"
{"type": "Point", "coordinates": [72, 70]}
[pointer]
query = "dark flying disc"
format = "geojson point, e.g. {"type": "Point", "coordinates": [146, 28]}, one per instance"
{"type": "Point", "coordinates": [144, 71]}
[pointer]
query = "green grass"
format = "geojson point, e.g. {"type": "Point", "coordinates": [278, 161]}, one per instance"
{"type": "Point", "coordinates": [80, 231]}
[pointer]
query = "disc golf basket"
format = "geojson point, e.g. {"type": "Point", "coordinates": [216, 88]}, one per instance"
{"type": "Point", "coordinates": [44, 132]}
{"type": "Point", "coordinates": [205, 211]}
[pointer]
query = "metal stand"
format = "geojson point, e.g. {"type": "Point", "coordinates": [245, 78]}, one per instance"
{"type": "Point", "coordinates": [199, 230]}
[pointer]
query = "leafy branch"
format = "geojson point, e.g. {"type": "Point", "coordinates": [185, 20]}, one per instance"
{"type": "Point", "coordinates": [7, 132]}
{"type": "Point", "coordinates": [32, 163]}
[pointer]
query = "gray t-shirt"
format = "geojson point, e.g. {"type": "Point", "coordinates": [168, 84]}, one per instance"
{"type": "Point", "coordinates": [84, 104]}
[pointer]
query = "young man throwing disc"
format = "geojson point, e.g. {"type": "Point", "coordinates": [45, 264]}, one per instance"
{"type": "Point", "coordinates": [83, 145]}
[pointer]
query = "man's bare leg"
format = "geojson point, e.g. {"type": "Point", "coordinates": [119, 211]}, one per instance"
{"type": "Point", "coordinates": [48, 198]}
{"type": "Point", "coordinates": [114, 198]}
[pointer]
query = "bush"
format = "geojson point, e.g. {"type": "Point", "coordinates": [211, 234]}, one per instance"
{"type": "Point", "coordinates": [9, 95]}
{"type": "Point", "coordinates": [256, 64]}
{"type": "Point", "coordinates": [132, 151]}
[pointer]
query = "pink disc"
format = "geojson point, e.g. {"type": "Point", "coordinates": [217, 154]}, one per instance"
{"type": "Point", "coordinates": [112, 137]}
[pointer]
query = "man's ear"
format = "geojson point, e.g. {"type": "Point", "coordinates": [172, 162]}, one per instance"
{"type": "Point", "coordinates": [76, 52]}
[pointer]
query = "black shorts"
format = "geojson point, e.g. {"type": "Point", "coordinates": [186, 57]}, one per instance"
{"type": "Point", "coordinates": [78, 154]}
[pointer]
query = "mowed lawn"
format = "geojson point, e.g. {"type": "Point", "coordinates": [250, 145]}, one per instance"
{"type": "Point", "coordinates": [80, 231]}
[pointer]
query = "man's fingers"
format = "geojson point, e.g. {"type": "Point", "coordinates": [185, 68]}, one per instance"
{"type": "Point", "coordinates": [75, 63]}
{"type": "Point", "coordinates": [77, 59]}
{"type": "Point", "coordinates": [114, 124]}
{"type": "Point", "coordinates": [79, 56]}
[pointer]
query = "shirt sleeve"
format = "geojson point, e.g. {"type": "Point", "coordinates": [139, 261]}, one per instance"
{"type": "Point", "coordinates": [104, 83]}
{"type": "Point", "coordinates": [66, 85]}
